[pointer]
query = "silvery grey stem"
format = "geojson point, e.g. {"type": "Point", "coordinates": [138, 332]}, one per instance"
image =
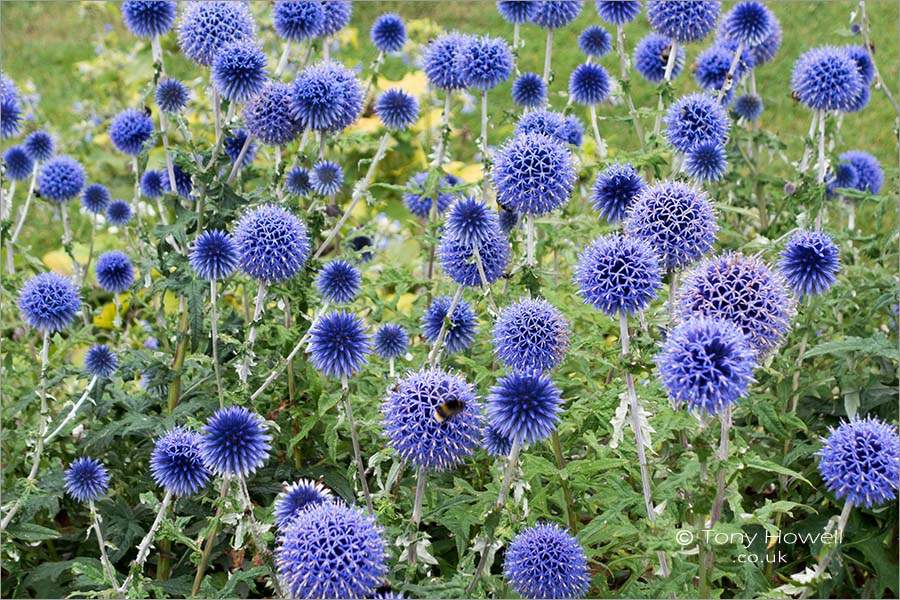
{"type": "Point", "coordinates": [137, 191]}
{"type": "Point", "coordinates": [144, 547]}
{"type": "Point", "coordinates": [673, 293]}
{"type": "Point", "coordinates": [825, 559]}
{"type": "Point", "coordinates": [548, 52]}
{"type": "Point", "coordinates": [485, 153]}
{"type": "Point", "coordinates": [255, 533]}
{"type": "Point", "coordinates": [434, 357]}
{"type": "Point", "coordinates": [251, 338]}
{"type": "Point", "coordinates": [207, 548]}
{"type": "Point", "coordinates": [529, 240]}
{"type": "Point", "coordinates": [170, 167]}
{"type": "Point", "coordinates": [511, 463]}
{"type": "Point", "coordinates": [10, 266]}
{"type": "Point", "coordinates": [237, 163]}
{"type": "Point", "coordinates": [6, 200]}
{"type": "Point", "coordinates": [626, 89]}
{"type": "Point", "coordinates": [420, 494]}
{"type": "Point", "coordinates": [821, 165]}
{"type": "Point", "coordinates": [104, 557]}
{"type": "Point", "coordinates": [716, 511]}
{"type": "Point", "coordinates": [479, 264]}
{"type": "Point", "coordinates": [515, 37]}
{"type": "Point", "coordinates": [598, 139]}
{"type": "Point", "coordinates": [217, 113]}
{"type": "Point", "coordinates": [214, 335]}
{"type": "Point", "coordinates": [808, 143]}
{"type": "Point", "coordinates": [667, 78]}
{"type": "Point", "coordinates": [282, 62]}
{"type": "Point", "coordinates": [74, 410]}
{"type": "Point", "coordinates": [87, 265]}
{"type": "Point", "coordinates": [391, 366]}
{"type": "Point", "coordinates": [67, 232]}
{"type": "Point", "coordinates": [729, 77]}
{"type": "Point", "coordinates": [354, 435]}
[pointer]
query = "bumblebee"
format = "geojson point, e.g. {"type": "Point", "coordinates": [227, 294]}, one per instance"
{"type": "Point", "coordinates": [449, 409]}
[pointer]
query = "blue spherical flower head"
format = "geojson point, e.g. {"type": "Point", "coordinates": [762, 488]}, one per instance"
{"type": "Point", "coordinates": [547, 122]}
{"type": "Point", "coordinates": [615, 189]}
{"type": "Point", "coordinates": [268, 116]}
{"type": "Point", "coordinates": [235, 143]}
{"type": "Point", "coordinates": [235, 442]}
{"type": "Point", "coordinates": [391, 341]}
{"type": "Point", "coordinates": [176, 462]}
{"type": "Point", "coordinates": [843, 177]}
{"type": "Point", "coordinates": [712, 66]}
{"type": "Point", "coordinates": [743, 290]}
{"type": "Point", "coordinates": [86, 479]}
{"type": "Point", "coordinates": [555, 14]}
{"type": "Point", "coordinates": [149, 18]}
{"type": "Point", "coordinates": [153, 183]}
{"type": "Point", "coordinates": [471, 221]}
{"type": "Point", "coordinates": [129, 130]}
{"type": "Point", "coordinates": [529, 90]}
{"type": "Point", "coordinates": [338, 344]}
{"type": "Point", "coordinates": [239, 70]}
{"type": "Point", "coordinates": [114, 272]}
{"type": "Point", "coordinates": [171, 95]}
{"type": "Point", "coordinates": [95, 198]}
{"type": "Point", "coordinates": [652, 55]}
{"type": "Point", "coordinates": [533, 174]}
{"type": "Point", "coordinates": [100, 361]}
{"type": "Point", "coordinates": [441, 61]}
{"type": "Point", "coordinates": [10, 116]}
{"type": "Point", "coordinates": [337, 16]}
{"type": "Point", "coordinates": [826, 78]}
{"type": "Point", "coordinates": [706, 162]}
{"type": "Point", "coordinates": [676, 219]}
{"type": "Point", "coordinates": [7, 87]}
{"type": "Point", "coordinates": [214, 255]}
{"type": "Point", "coordinates": [810, 262]}
{"type": "Point", "coordinates": [359, 246]}
{"type": "Point", "coordinates": [706, 364]}
{"type": "Point", "coordinates": [462, 329]}
{"type": "Point", "coordinates": [298, 21]}
{"type": "Point", "coordinates": [458, 259]}
{"type": "Point", "coordinates": [595, 41]}
{"type": "Point", "coordinates": [860, 461]}
{"type": "Point", "coordinates": [495, 442]}
{"type": "Point", "coordinates": [869, 174]}
{"type": "Point", "coordinates": [525, 406]}
{"type": "Point", "coordinates": [531, 334]}
{"type": "Point", "coordinates": [331, 551]}
{"type": "Point", "coordinates": [397, 109]}
{"type": "Point", "coordinates": [272, 244]}
{"type": "Point", "coordinates": [420, 203]}
{"type": "Point", "coordinates": [546, 561]}
{"type": "Point", "coordinates": [863, 62]}
{"type": "Point", "coordinates": [573, 130]}
{"type": "Point", "coordinates": [388, 33]}
{"type": "Point", "coordinates": [485, 62]}
{"type": "Point", "coordinates": [18, 164]}
{"type": "Point", "coordinates": [748, 107]}
{"type": "Point", "coordinates": [298, 497]}
{"type": "Point", "coordinates": [296, 182]}
{"type": "Point", "coordinates": [861, 101]}
{"type": "Point", "coordinates": [768, 48]}
{"type": "Point", "coordinates": [39, 145]}
{"type": "Point", "coordinates": [326, 178]}
{"type": "Point", "coordinates": [749, 22]}
{"type": "Point", "coordinates": [60, 179]}
{"type": "Point", "coordinates": [118, 213]}
{"type": "Point", "coordinates": [618, 274]}
{"type": "Point", "coordinates": [508, 220]}
{"type": "Point", "coordinates": [338, 282]}
{"type": "Point", "coordinates": [517, 12]}
{"type": "Point", "coordinates": [694, 119]}
{"type": "Point", "coordinates": [208, 26]}
{"type": "Point", "coordinates": [684, 21]}
{"type": "Point", "coordinates": [589, 84]}
{"type": "Point", "coordinates": [48, 302]}
{"type": "Point", "coordinates": [326, 97]}
{"type": "Point", "coordinates": [412, 429]}
{"type": "Point", "coordinates": [618, 12]}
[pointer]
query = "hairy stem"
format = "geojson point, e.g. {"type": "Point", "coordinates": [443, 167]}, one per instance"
{"type": "Point", "coordinates": [104, 557]}
{"type": "Point", "coordinates": [626, 84]}
{"type": "Point", "coordinates": [255, 533]}
{"type": "Point", "coordinates": [210, 540]}
{"type": "Point", "coordinates": [667, 79]}
{"type": "Point", "coordinates": [420, 494]}
{"type": "Point", "coordinates": [434, 357]}
{"type": "Point", "coordinates": [23, 213]}
{"type": "Point", "coordinates": [214, 335]}
{"type": "Point", "coordinates": [598, 139]}
{"type": "Point", "coordinates": [511, 463]}
{"type": "Point", "coordinates": [354, 435]}
{"type": "Point", "coordinates": [825, 559]}
{"type": "Point", "coordinates": [548, 53]}
{"type": "Point", "coordinates": [251, 338]}
{"type": "Point", "coordinates": [729, 76]}
{"type": "Point", "coordinates": [74, 410]}
{"type": "Point", "coordinates": [144, 547]}
{"type": "Point", "coordinates": [567, 492]}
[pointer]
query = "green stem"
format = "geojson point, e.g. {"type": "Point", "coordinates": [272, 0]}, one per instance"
{"type": "Point", "coordinates": [564, 483]}
{"type": "Point", "coordinates": [210, 539]}
{"type": "Point", "coordinates": [181, 347]}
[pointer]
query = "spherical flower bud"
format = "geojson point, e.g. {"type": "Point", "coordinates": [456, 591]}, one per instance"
{"type": "Point", "coordinates": [517, 12]}
{"type": "Point", "coordinates": [48, 302]}
{"type": "Point", "coordinates": [684, 21]}
{"type": "Point", "coordinates": [397, 109]}
{"type": "Point", "coordinates": [618, 274]}
{"type": "Point", "coordinates": [153, 184]}
{"type": "Point", "coordinates": [555, 14]}
{"type": "Point", "coordinates": [171, 95]}
{"type": "Point", "coordinates": [298, 497]}
{"type": "Point", "coordinates": [459, 333]}
{"type": "Point", "coordinates": [326, 97]}
{"type": "Point", "coordinates": [869, 174]}
{"type": "Point", "coordinates": [494, 442]}
{"type": "Point", "coordinates": [297, 182]}
{"type": "Point", "coordinates": [60, 179]}
{"type": "Point", "coordinates": [388, 33]}
{"type": "Point", "coordinates": [338, 344]}
{"type": "Point", "coordinates": [234, 144]}
{"type": "Point", "coordinates": [39, 145]}
{"type": "Point", "coordinates": [589, 84]}
{"type": "Point", "coordinates": [272, 244]}
{"type": "Point", "coordinates": [595, 41]}
{"type": "Point", "coordinates": [533, 174]}
{"type": "Point", "coordinates": [471, 221]}
{"type": "Point", "coordinates": [694, 119]}
{"type": "Point", "coordinates": [529, 90]}
{"type": "Point", "coordinates": [531, 334]}
{"type": "Point", "coordinates": [268, 116]}
{"type": "Point", "coordinates": [748, 107]}
{"type": "Point", "coordinates": [810, 262]}
{"type": "Point", "coordinates": [214, 255]}
{"type": "Point", "coordinates": [826, 78]}
{"type": "Point", "coordinates": [298, 20]}
{"type": "Point", "coordinates": [18, 164]}
{"type": "Point", "coordinates": [615, 190]}
{"type": "Point", "coordinates": [129, 130]}
{"type": "Point", "coordinates": [706, 162]}
{"type": "Point", "coordinates": [485, 62]}
{"type": "Point", "coordinates": [149, 18]}
{"type": "Point", "coordinates": [235, 442]}
{"type": "Point", "coordinates": [419, 203]}
{"type": "Point", "coordinates": [176, 463]}
{"type": "Point", "coordinates": [546, 561]}
{"type": "Point", "coordinates": [525, 406]}
{"type": "Point", "coordinates": [86, 479]}
{"type": "Point", "coordinates": [441, 61]}
{"type": "Point", "coordinates": [326, 178]}
{"type": "Point", "coordinates": [208, 26]}
{"type": "Point", "coordinates": [749, 22]}
{"type": "Point", "coordinates": [100, 361]}
{"type": "Point", "coordinates": [114, 272]}
{"type": "Point", "coordinates": [239, 70]}
{"type": "Point", "coordinates": [391, 341]}
{"type": "Point", "coordinates": [338, 282]}
{"type": "Point", "coordinates": [118, 213]}
{"type": "Point", "coordinates": [458, 259]}
{"type": "Point", "coordinates": [618, 12]}
{"type": "Point", "coordinates": [652, 55]}
{"type": "Point", "coordinates": [337, 16]}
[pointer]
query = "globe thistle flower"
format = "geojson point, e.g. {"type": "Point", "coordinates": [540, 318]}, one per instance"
{"type": "Point", "coordinates": [652, 55]}
{"type": "Point", "coordinates": [706, 364]}
{"type": "Point", "coordinates": [86, 479]}
{"type": "Point", "coordinates": [714, 63]}
{"type": "Point", "coordinates": [95, 198]}
{"type": "Point", "coordinates": [749, 22]}
{"type": "Point", "coordinates": [684, 21]}
{"type": "Point", "coordinates": [694, 119]}
{"type": "Point", "coordinates": [239, 70]}
{"type": "Point", "coordinates": [529, 90]}
{"type": "Point", "coordinates": [419, 204]}
{"type": "Point", "coordinates": [10, 116]}
{"type": "Point", "coordinates": [338, 282]}
{"type": "Point", "coordinates": [118, 213]}
{"type": "Point", "coordinates": [338, 344]}
{"type": "Point", "coordinates": [331, 551]}
{"type": "Point", "coordinates": [114, 272]}
{"type": "Point", "coordinates": [208, 26]}
{"type": "Point", "coordinates": [485, 62]}
{"type": "Point", "coordinates": [471, 221]}
{"type": "Point", "coordinates": [531, 334]}
{"type": "Point", "coordinates": [595, 41]}
{"type": "Point", "coordinates": [148, 18]}
{"type": "Point", "coordinates": [743, 290]}
{"type": "Point", "coordinates": [298, 497]}
{"type": "Point", "coordinates": [533, 174]}
{"type": "Point", "coordinates": [48, 302]}
{"type": "Point", "coordinates": [153, 184]}
{"type": "Point", "coordinates": [296, 182]}
{"type": "Point", "coordinates": [326, 97]}
{"type": "Point", "coordinates": [441, 61]}
{"type": "Point", "coordinates": [748, 107]}
{"type": "Point", "coordinates": [298, 21]}
{"type": "Point", "coordinates": [810, 262]}
{"type": "Point", "coordinates": [589, 84]}
{"type": "Point", "coordinates": [844, 177]}
{"type": "Point", "coordinates": [614, 191]}
{"type": "Point", "coordinates": [183, 183]}
{"type": "Point", "coordinates": [859, 461]}
{"type": "Point", "coordinates": [337, 16]}
{"type": "Point", "coordinates": [826, 78]}
{"type": "Point", "coordinates": [129, 130]}
{"type": "Point", "coordinates": [268, 116]}
{"type": "Point", "coordinates": [547, 122]}
{"type": "Point", "coordinates": [706, 161]}
{"type": "Point", "coordinates": [458, 259]}
{"type": "Point", "coordinates": [556, 14]}
{"type": "Point", "coordinates": [413, 432]}
{"type": "Point", "coordinates": [869, 174]}
{"type": "Point", "coordinates": [508, 220]}
{"type": "Point", "coordinates": [397, 109]}
{"type": "Point", "coordinates": [177, 464]}
{"type": "Point", "coordinates": [495, 443]}
{"type": "Point", "coordinates": [573, 130]}
{"type": "Point", "coordinates": [768, 48]}
{"type": "Point", "coordinates": [618, 274]}
{"type": "Point", "coordinates": [863, 62]}
{"type": "Point", "coordinates": [171, 95]}
{"type": "Point", "coordinates": [546, 561]}
{"type": "Point", "coordinates": [676, 219]}
{"type": "Point", "coordinates": [214, 255]}
{"type": "Point", "coordinates": [358, 245]}
{"type": "Point", "coordinates": [460, 333]}
{"type": "Point", "coordinates": [7, 87]}
{"type": "Point", "coordinates": [388, 33]}
{"type": "Point", "coordinates": [618, 12]}
{"type": "Point", "coordinates": [517, 12]}
{"type": "Point", "coordinates": [60, 179]}
{"type": "Point", "coordinates": [861, 101]}
{"type": "Point", "coordinates": [326, 178]}
{"type": "Point", "coordinates": [272, 244]}
{"type": "Point", "coordinates": [391, 341]}
{"type": "Point", "coordinates": [18, 164]}
{"type": "Point", "coordinates": [235, 143]}
{"type": "Point", "coordinates": [525, 406]}
{"type": "Point", "coordinates": [39, 145]}
{"type": "Point", "coordinates": [100, 361]}
{"type": "Point", "coordinates": [235, 442]}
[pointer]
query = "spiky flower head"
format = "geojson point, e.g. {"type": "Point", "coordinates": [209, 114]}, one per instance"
{"type": "Point", "coordinates": [860, 461]}
{"type": "Point", "coordinates": [546, 122]}
{"type": "Point", "coordinates": [441, 62]}
{"type": "Point", "coordinates": [298, 20]}
{"type": "Point", "coordinates": [555, 14]}
{"type": "Point", "coordinates": [153, 184]}
{"type": "Point", "coordinates": [826, 78]}
{"type": "Point", "coordinates": [749, 22]}
{"type": "Point", "coordinates": [861, 101]}
{"type": "Point", "coordinates": [546, 561]}
{"type": "Point", "coordinates": [573, 130]}
{"type": "Point", "coordinates": [10, 115]}
{"type": "Point", "coordinates": [485, 62]}
{"type": "Point", "coordinates": [183, 183]}
{"type": "Point", "coordinates": [214, 255]}
{"type": "Point", "coordinates": [863, 62]}
{"type": "Point", "coordinates": [471, 221]}
{"type": "Point", "coordinates": [417, 200]}
{"type": "Point", "coordinates": [508, 220]}
{"type": "Point", "coordinates": [337, 16]}
{"type": "Point", "coordinates": [114, 271]}
{"type": "Point", "coordinates": [48, 302]}
{"type": "Point", "coordinates": [589, 84]}
{"type": "Point", "coordinates": [60, 179]}
{"type": "Point", "coordinates": [768, 48]}
{"type": "Point", "coordinates": [414, 433]}
{"type": "Point", "coordinates": [296, 181]}
{"type": "Point", "coordinates": [39, 145]}
{"type": "Point", "coordinates": [338, 344]}
{"type": "Point", "coordinates": [298, 497]}
{"type": "Point", "coordinates": [458, 258]}
{"type": "Point", "coordinates": [268, 115]}
{"type": "Point", "coordinates": [706, 161]}
{"type": "Point", "coordinates": [712, 67]}
{"type": "Point", "coordinates": [338, 282]}
{"type": "Point", "coordinates": [517, 12]}
{"type": "Point", "coordinates": [525, 405]}
{"type": "Point", "coordinates": [397, 109]}
{"type": "Point", "coordinates": [86, 479]}
{"type": "Point", "coordinates": [18, 164]}
{"type": "Point", "coordinates": [176, 462]}
{"type": "Point", "coordinates": [529, 90]}
{"type": "Point", "coordinates": [149, 18]}
{"type": "Point", "coordinates": [869, 174]}
{"type": "Point", "coordinates": [100, 361]}
{"type": "Point", "coordinates": [533, 174]}
{"type": "Point", "coordinates": [272, 243]}
{"type": "Point", "coordinates": [495, 442]}
{"type": "Point", "coordinates": [531, 334]}
{"type": "Point", "coordinates": [694, 119]}
{"type": "Point", "coordinates": [810, 262]}
{"type": "Point", "coordinates": [618, 12]}
{"type": "Point", "coordinates": [118, 213]}
{"type": "Point", "coordinates": [595, 41]}
{"type": "Point", "coordinates": [617, 274]}
{"type": "Point", "coordinates": [684, 21]}
{"type": "Point", "coordinates": [326, 178]}
{"type": "Point", "coordinates": [171, 95]}
{"type": "Point", "coordinates": [748, 107]}
{"type": "Point", "coordinates": [208, 26]}
{"type": "Point", "coordinates": [463, 324]}
{"type": "Point", "coordinates": [326, 97]}
{"type": "Point", "coordinates": [239, 70]}
{"type": "Point", "coordinates": [331, 551]}
{"type": "Point", "coordinates": [843, 177]}
{"type": "Point", "coordinates": [129, 130]}
{"type": "Point", "coordinates": [388, 33]}
{"type": "Point", "coordinates": [391, 340]}
{"type": "Point", "coordinates": [234, 143]}
{"type": "Point", "coordinates": [235, 442]}
{"type": "Point", "coordinates": [652, 54]}
{"type": "Point", "coordinates": [615, 189]}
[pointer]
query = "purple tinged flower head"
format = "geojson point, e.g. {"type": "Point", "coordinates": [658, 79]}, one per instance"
{"type": "Point", "coordinates": [863, 62]}
{"type": "Point", "coordinates": [533, 174]}
{"type": "Point", "coordinates": [337, 16]}
{"type": "Point", "coordinates": [555, 14]}
{"type": "Point", "coordinates": [48, 302]}
{"type": "Point", "coordinates": [331, 550]}
{"type": "Point", "coordinates": [589, 84]}
{"type": "Point", "coordinates": [419, 203]}
{"type": "Point", "coordinates": [129, 130]}
{"type": "Point", "coordinates": [529, 90]}
{"type": "Point", "coordinates": [118, 213]}
{"type": "Point", "coordinates": [810, 262]}
{"type": "Point", "coordinates": [171, 95]}
{"type": "Point", "coordinates": [176, 462]}
{"type": "Point", "coordinates": [749, 21]}
{"type": "Point", "coordinates": [10, 114]}
{"type": "Point", "coordinates": [712, 66]}
{"type": "Point", "coordinates": [706, 364]}
{"type": "Point", "coordinates": [149, 18]}
{"type": "Point", "coordinates": [153, 183]}
{"type": "Point", "coordinates": [18, 164]}
{"type": "Point", "coordinates": [214, 255]}
{"type": "Point", "coordinates": [869, 174]}
{"type": "Point", "coordinates": [338, 344]}
{"type": "Point", "coordinates": [546, 561]}
{"type": "Point", "coordinates": [485, 62]}
{"type": "Point", "coordinates": [234, 143]}
{"type": "Point", "coordinates": [388, 33]}
{"type": "Point", "coordinates": [114, 272]}
{"type": "Point", "coordinates": [525, 405]}
{"type": "Point", "coordinates": [508, 220]}
{"type": "Point", "coordinates": [458, 258]}
{"type": "Point", "coordinates": [748, 107]}
{"type": "Point", "coordinates": [694, 119]}
{"type": "Point", "coordinates": [397, 109]}
{"type": "Point", "coordinates": [517, 12]}
{"type": "Point", "coordinates": [495, 443]}
{"type": "Point", "coordinates": [39, 145]}
{"type": "Point", "coordinates": [706, 161]}
{"type": "Point", "coordinates": [471, 221]}
{"type": "Point", "coordinates": [298, 497]}
{"type": "Point", "coordinates": [326, 97]}
{"type": "Point", "coordinates": [441, 61]}
{"type": "Point", "coordinates": [272, 244]}
{"type": "Point", "coordinates": [826, 78]}
{"type": "Point", "coordinates": [412, 429]}
{"type": "Point", "coordinates": [618, 274]}
{"type": "Point", "coordinates": [547, 122]}
{"type": "Point", "coordinates": [843, 177]}
{"type": "Point", "coordinates": [296, 182]}
{"type": "Point", "coordinates": [298, 20]}
{"type": "Point", "coordinates": [618, 12]}
{"type": "Point", "coordinates": [208, 26]}
{"type": "Point", "coordinates": [391, 340]}
{"type": "Point", "coordinates": [235, 442]}
{"type": "Point", "coordinates": [268, 116]}
{"type": "Point", "coordinates": [860, 461]}
{"type": "Point", "coordinates": [652, 54]}
{"type": "Point", "coordinates": [100, 361]}
{"type": "Point", "coordinates": [595, 41]}
{"type": "Point", "coordinates": [86, 479]}
{"type": "Point", "coordinates": [768, 48]}
{"type": "Point", "coordinates": [338, 282]}
{"type": "Point", "coordinates": [684, 21]}
{"type": "Point", "coordinates": [60, 179]}
{"type": "Point", "coordinates": [326, 178]}
{"type": "Point", "coordinates": [239, 70]}
{"type": "Point", "coordinates": [531, 334]}
{"type": "Point", "coordinates": [614, 191]}
{"type": "Point", "coordinates": [462, 328]}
